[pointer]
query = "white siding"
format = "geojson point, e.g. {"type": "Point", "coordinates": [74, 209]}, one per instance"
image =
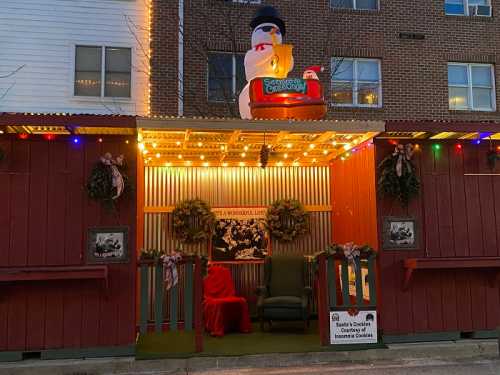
{"type": "Point", "coordinates": [41, 35]}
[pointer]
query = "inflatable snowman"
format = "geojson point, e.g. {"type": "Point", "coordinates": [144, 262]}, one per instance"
{"type": "Point", "coordinates": [262, 60]}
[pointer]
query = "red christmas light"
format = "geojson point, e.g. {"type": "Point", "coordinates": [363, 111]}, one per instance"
{"type": "Point", "coordinates": [393, 142]}
{"type": "Point", "coordinates": [49, 137]}
{"type": "Point", "coordinates": [23, 136]}
{"type": "Point", "coordinates": [458, 146]}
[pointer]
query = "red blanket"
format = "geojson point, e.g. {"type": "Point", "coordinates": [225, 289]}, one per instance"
{"type": "Point", "coordinates": [222, 310]}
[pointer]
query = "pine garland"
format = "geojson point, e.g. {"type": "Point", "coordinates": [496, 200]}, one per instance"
{"type": "Point", "coordinates": [397, 175]}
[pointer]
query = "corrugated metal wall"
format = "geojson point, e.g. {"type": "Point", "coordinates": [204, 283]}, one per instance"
{"type": "Point", "coordinates": [238, 186]}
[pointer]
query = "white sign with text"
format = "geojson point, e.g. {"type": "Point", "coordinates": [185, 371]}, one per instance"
{"type": "Point", "coordinates": [353, 329]}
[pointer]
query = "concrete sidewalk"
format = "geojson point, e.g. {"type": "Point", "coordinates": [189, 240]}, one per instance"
{"type": "Point", "coordinates": [469, 351]}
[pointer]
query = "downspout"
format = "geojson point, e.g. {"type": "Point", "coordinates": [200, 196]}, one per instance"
{"type": "Point", "coordinates": [180, 78]}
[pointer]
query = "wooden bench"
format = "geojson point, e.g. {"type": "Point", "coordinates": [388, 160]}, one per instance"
{"type": "Point", "coordinates": [99, 272]}
{"type": "Point", "coordinates": [413, 264]}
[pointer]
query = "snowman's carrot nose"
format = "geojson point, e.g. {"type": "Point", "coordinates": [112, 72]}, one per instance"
{"type": "Point", "coordinates": [273, 35]}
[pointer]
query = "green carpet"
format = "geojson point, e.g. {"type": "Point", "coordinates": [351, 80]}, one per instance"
{"type": "Point", "coordinates": [284, 338]}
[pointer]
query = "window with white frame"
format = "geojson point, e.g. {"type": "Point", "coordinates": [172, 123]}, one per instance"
{"type": "Point", "coordinates": [471, 87]}
{"type": "Point", "coordinates": [103, 71]}
{"type": "Point", "coordinates": [468, 7]}
{"type": "Point", "coordinates": [355, 4]}
{"type": "Point", "coordinates": [226, 76]}
{"type": "Point", "coordinates": [356, 82]}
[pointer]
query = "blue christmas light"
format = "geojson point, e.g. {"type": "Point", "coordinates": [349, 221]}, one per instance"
{"type": "Point", "coordinates": [76, 140]}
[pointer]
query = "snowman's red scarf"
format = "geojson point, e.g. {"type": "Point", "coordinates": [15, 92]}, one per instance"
{"type": "Point", "coordinates": [261, 46]}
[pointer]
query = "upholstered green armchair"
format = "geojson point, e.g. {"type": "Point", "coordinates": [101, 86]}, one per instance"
{"type": "Point", "coordinates": [285, 295]}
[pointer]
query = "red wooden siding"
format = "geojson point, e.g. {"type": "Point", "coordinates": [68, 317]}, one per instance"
{"type": "Point", "coordinates": [354, 198]}
{"type": "Point", "coordinates": [44, 217]}
{"type": "Point", "coordinates": [459, 216]}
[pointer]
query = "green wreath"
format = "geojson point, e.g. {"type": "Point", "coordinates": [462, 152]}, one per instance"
{"type": "Point", "coordinates": [287, 220]}
{"type": "Point", "coordinates": [397, 175]}
{"type": "Point", "coordinates": [193, 221]}
{"type": "Point", "coordinates": [100, 186]}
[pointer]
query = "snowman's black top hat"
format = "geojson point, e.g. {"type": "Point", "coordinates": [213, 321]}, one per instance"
{"type": "Point", "coordinates": [267, 14]}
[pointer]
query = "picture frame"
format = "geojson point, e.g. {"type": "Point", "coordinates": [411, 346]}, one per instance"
{"type": "Point", "coordinates": [108, 245]}
{"type": "Point", "coordinates": [400, 233]}
{"type": "Point", "coordinates": [240, 235]}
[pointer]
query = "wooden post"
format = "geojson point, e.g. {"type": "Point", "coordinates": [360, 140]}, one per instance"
{"type": "Point", "coordinates": [371, 280]}
{"type": "Point", "coordinates": [344, 274]}
{"type": "Point", "coordinates": [359, 283]}
{"type": "Point", "coordinates": [198, 305]}
{"type": "Point", "coordinates": [188, 297]}
{"type": "Point", "coordinates": [143, 294]}
{"type": "Point", "coordinates": [159, 293]}
{"type": "Point", "coordinates": [323, 310]}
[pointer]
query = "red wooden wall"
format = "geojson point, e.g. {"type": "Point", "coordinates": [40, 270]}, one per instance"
{"type": "Point", "coordinates": [458, 216]}
{"type": "Point", "coordinates": [44, 217]}
{"type": "Point", "coordinates": [354, 198]}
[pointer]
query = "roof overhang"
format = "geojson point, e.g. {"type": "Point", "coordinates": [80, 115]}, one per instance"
{"type": "Point", "coordinates": [225, 124]}
{"type": "Point", "coordinates": [235, 142]}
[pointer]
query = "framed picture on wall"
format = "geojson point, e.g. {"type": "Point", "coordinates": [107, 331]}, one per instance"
{"type": "Point", "coordinates": [400, 233]}
{"type": "Point", "coordinates": [240, 234]}
{"type": "Point", "coordinates": [107, 245]}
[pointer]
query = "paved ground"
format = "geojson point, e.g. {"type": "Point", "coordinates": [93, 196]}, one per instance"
{"type": "Point", "coordinates": [427, 367]}
{"type": "Point", "coordinates": [465, 357]}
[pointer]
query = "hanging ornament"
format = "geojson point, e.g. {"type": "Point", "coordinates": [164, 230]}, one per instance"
{"type": "Point", "coordinates": [264, 156]}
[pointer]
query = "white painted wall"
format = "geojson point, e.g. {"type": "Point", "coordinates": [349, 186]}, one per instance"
{"type": "Point", "coordinates": [42, 34]}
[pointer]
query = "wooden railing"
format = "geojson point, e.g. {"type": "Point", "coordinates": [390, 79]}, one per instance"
{"type": "Point", "coordinates": [337, 291]}
{"type": "Point", "coordinates": [178, 308]}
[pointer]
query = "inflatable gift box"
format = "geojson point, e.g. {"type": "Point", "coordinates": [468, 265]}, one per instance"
{"type": "Point", "coordinates": [287, 98]}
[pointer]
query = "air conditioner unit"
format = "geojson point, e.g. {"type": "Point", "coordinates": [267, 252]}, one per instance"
{"type": "Point", "coordinates": [480, 10]}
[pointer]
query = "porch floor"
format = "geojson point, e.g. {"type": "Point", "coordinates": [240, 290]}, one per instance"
{"type": "Point", "coordinates": [284, 338]}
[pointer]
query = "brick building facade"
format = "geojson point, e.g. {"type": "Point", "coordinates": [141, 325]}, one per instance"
{"type": "Point", "coordinates": [414, 71]}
